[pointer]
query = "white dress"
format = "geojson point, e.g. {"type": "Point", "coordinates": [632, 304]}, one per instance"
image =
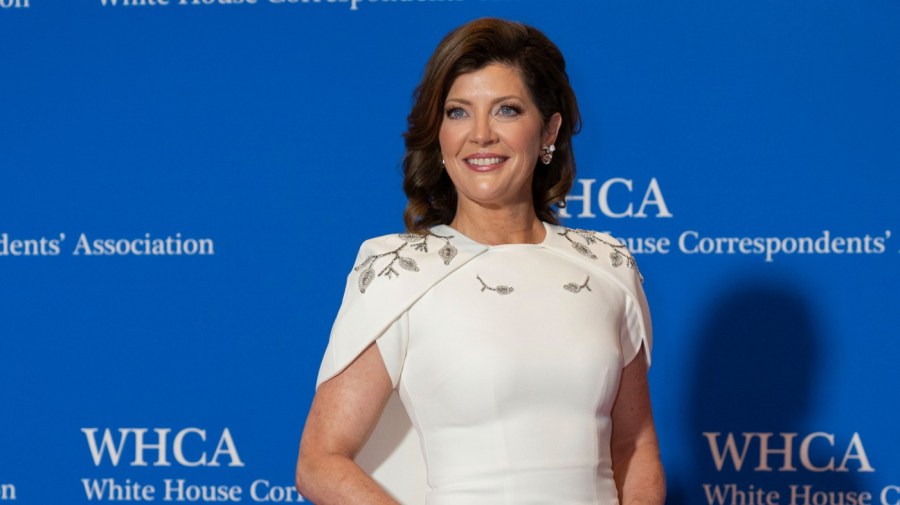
{"type": "Point", "coordinates": [506, 359]}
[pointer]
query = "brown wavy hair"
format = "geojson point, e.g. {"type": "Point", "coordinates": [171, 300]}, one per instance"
{"type": "Point", "coordinates": [471, 47]}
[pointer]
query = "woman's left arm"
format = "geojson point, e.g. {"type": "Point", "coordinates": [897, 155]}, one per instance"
{"type": "Point", "coordinates": [637, 468]}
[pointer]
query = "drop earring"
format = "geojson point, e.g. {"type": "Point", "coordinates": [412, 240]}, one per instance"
{"type": "Point", "coordinates": [547, 155]}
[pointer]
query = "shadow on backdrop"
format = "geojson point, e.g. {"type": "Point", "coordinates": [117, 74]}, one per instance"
{"type": "Point", "coordinates": [759, 355]}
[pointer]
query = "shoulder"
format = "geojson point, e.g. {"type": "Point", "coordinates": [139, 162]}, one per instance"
{"type": "Point", "coordinates": [409, 244]}
{"type": "Point", "coordinates": [381, 243]}
{"type": "Point", "coordinates": [595, 247]}
{"type": "Point", "coordinates": [612, 259]}
{"type": "Point", "coordinates": [390, 255]}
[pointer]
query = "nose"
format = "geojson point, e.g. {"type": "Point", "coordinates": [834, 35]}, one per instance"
{"type": "Point", "coordinates": [483, 132]}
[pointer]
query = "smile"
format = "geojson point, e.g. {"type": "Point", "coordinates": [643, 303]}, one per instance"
{"type": "Point", "coordinates": [481, 162]}
{"type": "Point", "coordinates": [485, 163]}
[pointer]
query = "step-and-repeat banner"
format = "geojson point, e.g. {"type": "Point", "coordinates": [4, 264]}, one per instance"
{"type": "Point", "coordinates": [184, 185]}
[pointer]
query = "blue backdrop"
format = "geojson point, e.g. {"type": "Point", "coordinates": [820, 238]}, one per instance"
{"type": "Point", "coordinates": [184, 185]}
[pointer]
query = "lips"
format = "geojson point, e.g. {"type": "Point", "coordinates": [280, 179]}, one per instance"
{"type": "Point", "coordinates": [483, 162]}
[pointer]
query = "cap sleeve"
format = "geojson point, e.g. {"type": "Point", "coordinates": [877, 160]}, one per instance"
{"type": "Point", "coordinates": [355, 329]}
{"type": "Point", "coordinates": [636, 329]}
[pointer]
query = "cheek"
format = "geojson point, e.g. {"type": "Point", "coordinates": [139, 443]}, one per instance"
{"type": "Point", "coordinates": [449, 138]}
{"type": "Point", "coordinates": [525, 139]}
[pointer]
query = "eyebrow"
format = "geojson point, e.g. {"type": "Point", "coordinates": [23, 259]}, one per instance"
{"type": "Point", "coordinates": [496, 100]}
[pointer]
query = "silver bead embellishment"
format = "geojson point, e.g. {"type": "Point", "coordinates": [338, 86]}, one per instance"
{"type": "Point", "coordinates": [365, 279]}
{"type": "Point", "coordinates": [500, 290]}
{"type": "Point", "coordinates": [584, 250]}
{"type": "Point", "coordinates": [447, 253]}
{"type": "Point", "coordinates": [617, 256]}
{"type": "Point", "coordinates": [576, 288]}
{"type": "Point", "coordinates": [416, 242]}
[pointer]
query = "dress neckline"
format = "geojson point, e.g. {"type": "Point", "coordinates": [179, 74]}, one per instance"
{"type": "Point", "coordinates": [443, 229]}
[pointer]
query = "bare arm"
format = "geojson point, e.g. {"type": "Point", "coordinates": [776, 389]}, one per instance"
{"type": "Point", "coordinates": [637, 468]}
{"type": "Point", "coordinates": [344, 411]}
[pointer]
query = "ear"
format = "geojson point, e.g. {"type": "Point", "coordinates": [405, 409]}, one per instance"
{"type": "Point", "coordinates": [552, 128]}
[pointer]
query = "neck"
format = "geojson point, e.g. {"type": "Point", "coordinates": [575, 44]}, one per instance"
{"type": "Point", "coordinates": [507, 225]}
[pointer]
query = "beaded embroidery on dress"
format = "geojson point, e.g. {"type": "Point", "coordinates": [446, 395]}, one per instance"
{"type": "Point", "coordinates": [417, 243]}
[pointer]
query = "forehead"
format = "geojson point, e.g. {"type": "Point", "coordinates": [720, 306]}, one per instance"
{"type": "Point", "coordinates": [494, 80]}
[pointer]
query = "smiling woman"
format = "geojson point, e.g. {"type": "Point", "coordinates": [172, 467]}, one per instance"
{"type": "Point", "coordinates": [518, 348]}
{"type": "Point", "coordinates": [490, 139]}
{"type": "Point", "coordinates": [539, 84]}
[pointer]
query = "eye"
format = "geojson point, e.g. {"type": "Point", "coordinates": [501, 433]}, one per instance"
{"type": "Point", "coordinates": [509, 110]}
{"type": "Point", "coordinates": [455, 113]}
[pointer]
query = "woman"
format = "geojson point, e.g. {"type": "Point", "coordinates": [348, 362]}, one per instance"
{"type": "Point", "coordinates": [518, 347]}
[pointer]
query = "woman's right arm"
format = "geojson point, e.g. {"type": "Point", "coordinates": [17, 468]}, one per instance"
{"type": "Point", "coordinates": [344, 412]}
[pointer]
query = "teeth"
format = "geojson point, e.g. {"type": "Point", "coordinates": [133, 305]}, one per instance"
{"type": "Point", "coordinates": [481, 162]}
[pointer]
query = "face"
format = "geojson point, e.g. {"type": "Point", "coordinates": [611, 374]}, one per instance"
{"type": "Point", "coordinates": [491, 137]}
